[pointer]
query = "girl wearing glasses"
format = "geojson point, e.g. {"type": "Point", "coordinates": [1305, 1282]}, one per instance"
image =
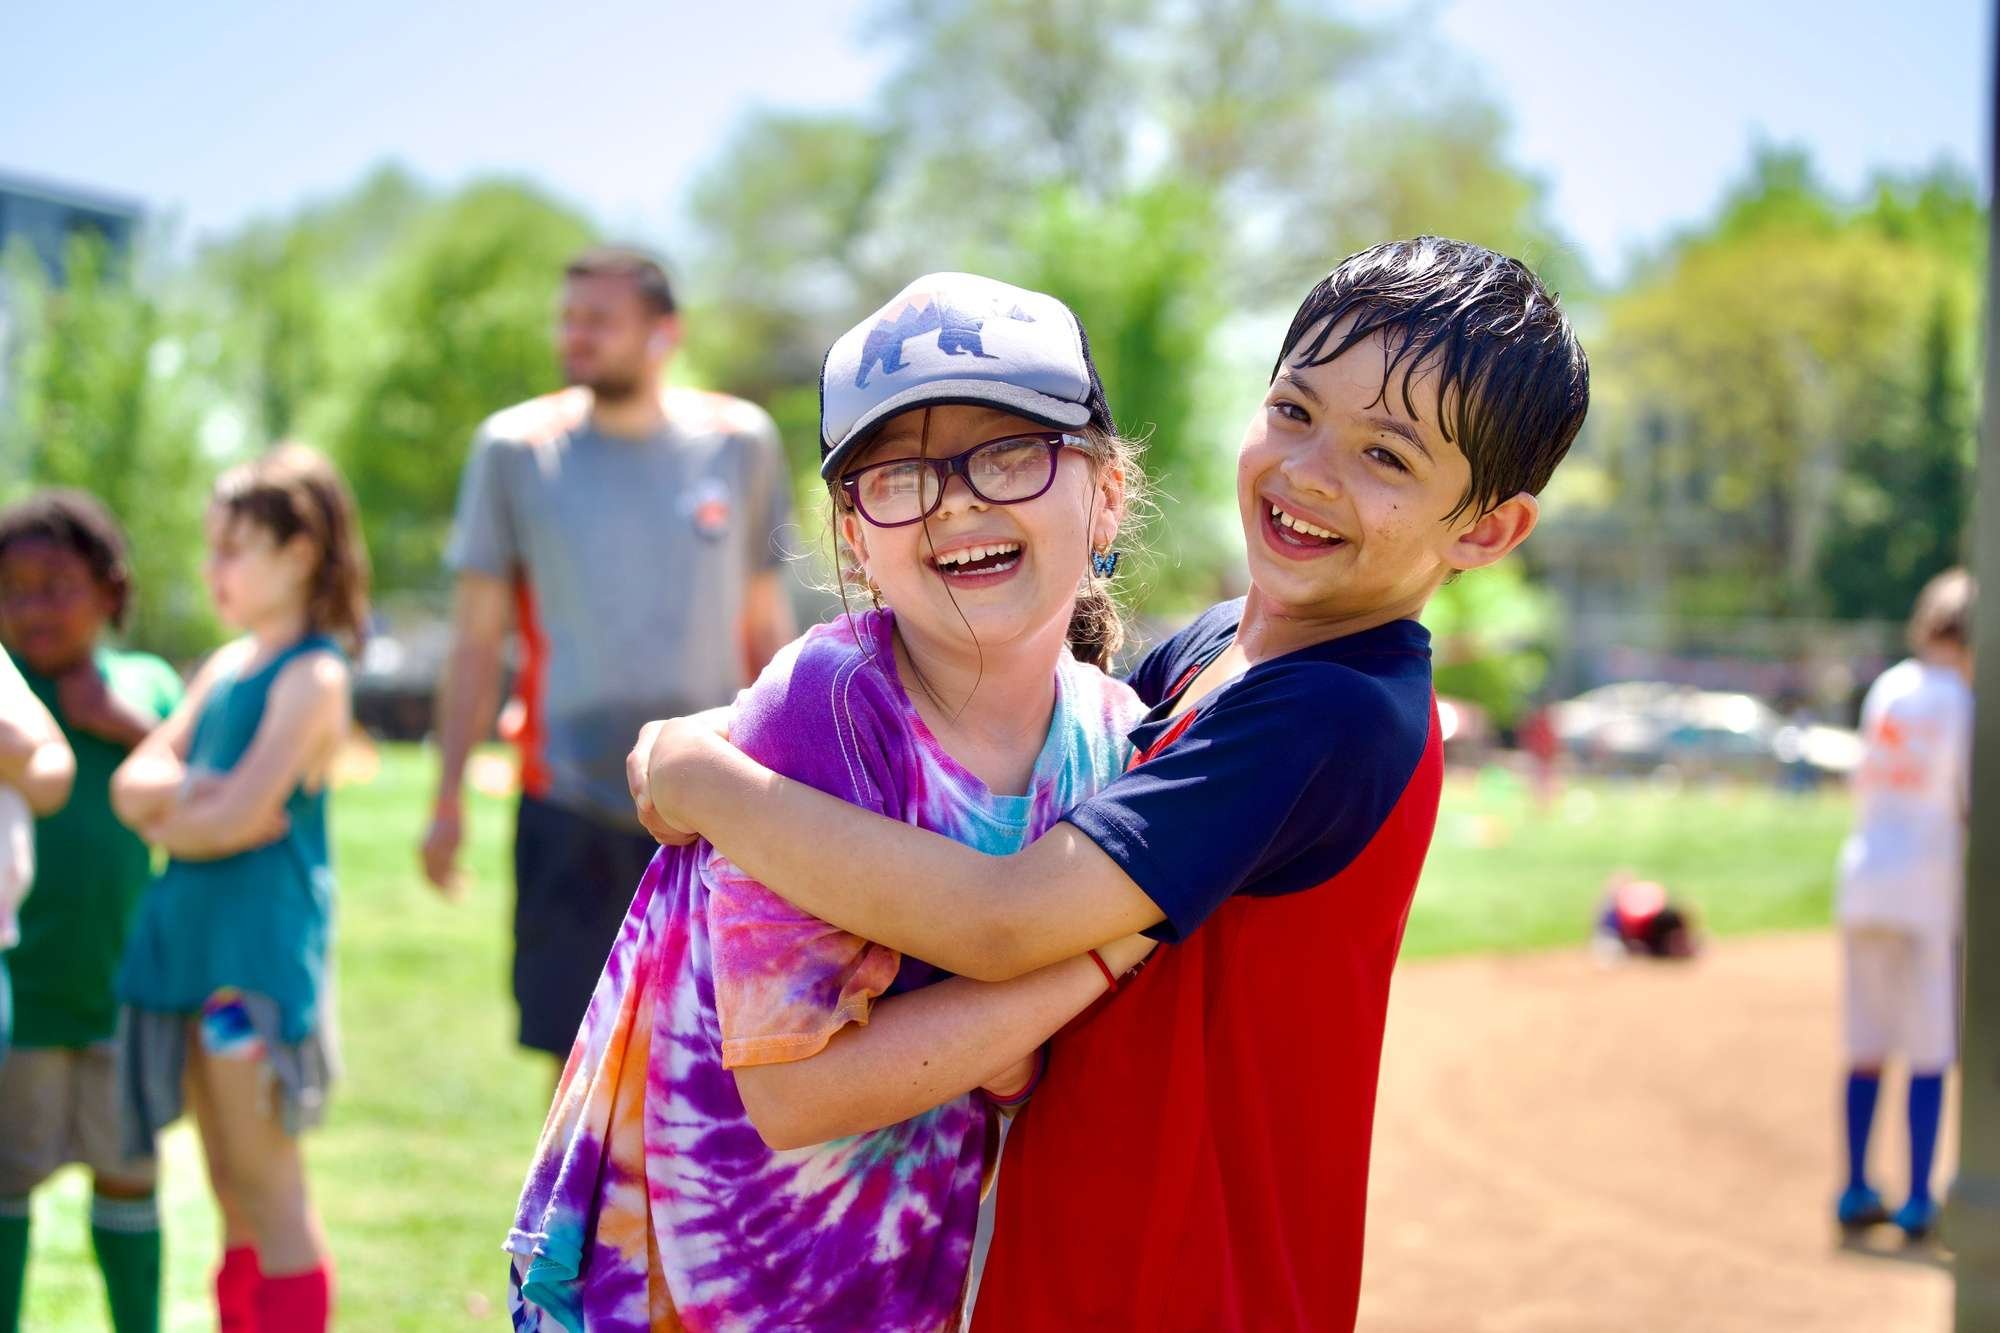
{"type": "Point", "coordinates": [767, 1122]}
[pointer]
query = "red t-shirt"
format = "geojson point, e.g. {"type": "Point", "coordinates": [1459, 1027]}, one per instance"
{"type": "Point", "coordinates": [1197, 1155]}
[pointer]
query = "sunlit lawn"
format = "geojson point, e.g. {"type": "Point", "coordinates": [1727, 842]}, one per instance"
{"type": "Point", "coordinates": [419, 1163]}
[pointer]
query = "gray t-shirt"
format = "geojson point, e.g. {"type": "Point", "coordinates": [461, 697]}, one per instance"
{"type": "Point", "coordinates": [630, 560]}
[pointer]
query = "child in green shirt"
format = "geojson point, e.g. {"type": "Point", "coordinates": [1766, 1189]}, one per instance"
{"type": "Point", "coordinates": [63, 585]}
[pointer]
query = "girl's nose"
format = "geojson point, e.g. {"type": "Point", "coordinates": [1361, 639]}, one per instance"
{"type": "Point", "coordinates": [958, 495]}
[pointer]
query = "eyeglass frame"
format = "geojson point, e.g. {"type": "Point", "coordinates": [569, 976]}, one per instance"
{"type": "Point", "coordinates": [954, 465]}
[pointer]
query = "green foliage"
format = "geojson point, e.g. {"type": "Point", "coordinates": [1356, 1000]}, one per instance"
{"type": "Point", "coordinates": [1491, 631]}
{"type": "Point", "coordinates": [1901, 509]}
{"type": "Point", "coordinates": [1785, 393]}
{"type": "Point", "coordinates": [1139, 270]}
{"type": "Point", "coordinates": [100, 402]}
{"type": "Point", "coordinates": [461, 328]}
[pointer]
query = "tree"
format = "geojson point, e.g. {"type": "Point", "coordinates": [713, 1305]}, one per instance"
{"type": "Point", "coordinates": [1754, 373]}
{"type": "Point", "coordinates": [1165, 168]}
{"type": "Point", "coordinates": [101, 404]}
{"type": "Point", "coordinates": [1899, 516]}
{"type": "Point", "coordinates": [461, 328]}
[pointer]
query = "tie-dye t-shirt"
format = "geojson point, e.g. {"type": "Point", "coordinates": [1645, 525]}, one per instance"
{"type": "Point", "coordinates": [652, 1201]}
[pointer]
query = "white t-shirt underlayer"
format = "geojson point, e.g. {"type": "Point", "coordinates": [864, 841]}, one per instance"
{"type": "Point", "coordinates": [1904, 863]}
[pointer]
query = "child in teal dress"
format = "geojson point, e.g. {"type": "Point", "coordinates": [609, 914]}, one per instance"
{"type": "Point", "coordinates": [224, 979]}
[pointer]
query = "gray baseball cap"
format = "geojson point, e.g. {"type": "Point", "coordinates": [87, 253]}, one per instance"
{"type": "Point", "coordinates": [957, 338]}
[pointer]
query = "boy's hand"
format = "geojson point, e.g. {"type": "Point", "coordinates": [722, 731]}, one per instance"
{"type": "Point", "coordinates": [638, 765]}
{"type": "Point", "coordinates": [88, 704]}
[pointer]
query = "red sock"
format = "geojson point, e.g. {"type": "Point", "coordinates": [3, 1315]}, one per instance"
{"type": "Point", "coordinates": [299, 1303]}
{"type": "Point", "coordinates": [236, 1284]}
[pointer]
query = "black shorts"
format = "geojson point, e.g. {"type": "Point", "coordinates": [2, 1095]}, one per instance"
{"type": "Point", "coordinates": [573, 881]}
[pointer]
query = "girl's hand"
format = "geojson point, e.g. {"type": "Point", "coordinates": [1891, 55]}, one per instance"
{"type": "Point", "coordinates": [636, 763]}
{"type": "Point", "coordinates": [173, 836]}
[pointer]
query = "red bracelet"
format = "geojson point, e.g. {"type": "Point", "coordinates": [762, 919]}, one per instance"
{"type": "Point", "coordinates": [1097, 958]}
{"type": "Point", "coordinates": [1027, 1089]}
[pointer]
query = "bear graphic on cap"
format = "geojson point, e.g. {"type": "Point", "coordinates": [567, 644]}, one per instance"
{"type": "Point", "coordinates": [916, 312]}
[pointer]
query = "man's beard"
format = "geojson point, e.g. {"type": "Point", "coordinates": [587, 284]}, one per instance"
{"type": "Point", "coordinates": [608, 388]}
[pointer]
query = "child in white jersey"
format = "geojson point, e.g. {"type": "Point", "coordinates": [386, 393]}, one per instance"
{"type": "Point", "coordinates": [1902, 882]}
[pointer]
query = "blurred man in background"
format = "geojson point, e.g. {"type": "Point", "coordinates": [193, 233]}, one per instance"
{"type": "Point", "coordinates": [626, 532]}
{"type": "Point", "coordinates": [1902, 886]}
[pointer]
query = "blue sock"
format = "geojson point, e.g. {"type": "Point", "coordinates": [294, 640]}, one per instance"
{"type": "Point", "coordinates": [1926, 1106]}
{"type": "Point", "coordinates": [1861, 1093]}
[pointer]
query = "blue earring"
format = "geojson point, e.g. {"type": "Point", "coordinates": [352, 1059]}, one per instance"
{"type": "Point", "coordinates": [1104, 563]}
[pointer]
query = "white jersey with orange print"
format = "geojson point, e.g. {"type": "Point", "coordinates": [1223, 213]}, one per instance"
{"type": "Point", "coordinates": [1904, 864]}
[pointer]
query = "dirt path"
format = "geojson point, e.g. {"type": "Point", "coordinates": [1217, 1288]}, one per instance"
{"type": "Point", "coordinates": [1561, 1146]}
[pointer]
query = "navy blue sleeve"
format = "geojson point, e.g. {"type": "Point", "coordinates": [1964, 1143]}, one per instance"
{"type": "Point", "coordinates": [1194, 643]}
{"type": "Point", "coordinates": [1282, 779]}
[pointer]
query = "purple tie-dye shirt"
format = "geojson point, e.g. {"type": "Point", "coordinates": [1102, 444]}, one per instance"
{"type": "Point", "coordinates": [652, 1202]}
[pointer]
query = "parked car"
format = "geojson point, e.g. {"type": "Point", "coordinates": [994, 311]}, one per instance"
{"type": "Point", "coordinates": [1654, 727]}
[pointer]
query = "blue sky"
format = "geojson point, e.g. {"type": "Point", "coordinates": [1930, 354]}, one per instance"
{"type": "Point", "coordinates": [1636, 114]}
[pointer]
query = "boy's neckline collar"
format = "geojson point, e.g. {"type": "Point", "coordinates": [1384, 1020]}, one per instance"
{"type": "Point", "coordinates": [1404, 633]}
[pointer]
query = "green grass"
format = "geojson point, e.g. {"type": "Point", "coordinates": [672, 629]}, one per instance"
{"type": "Point", "coordinates": [1503, 876]}
{"type": "Point", "coordinates": [417, 1168]}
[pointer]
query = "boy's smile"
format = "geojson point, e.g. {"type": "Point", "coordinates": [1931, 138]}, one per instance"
{"type": "Point", "coordinates": [1344, 489]}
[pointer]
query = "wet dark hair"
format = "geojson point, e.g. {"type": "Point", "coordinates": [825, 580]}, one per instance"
{"type": "Point", "coordinates": [76, 521]}
{"type": "Point", "coordinates": [1513, 384]}
{"type": "Point", "coordinates": [293, 491]}
{"type": "Point", "coordinates": [636, 266]}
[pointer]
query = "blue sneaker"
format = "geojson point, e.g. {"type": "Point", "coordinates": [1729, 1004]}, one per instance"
{"type": "Point", "coordinates": [1860, 1207]}
{"type": "Point", "coordinates": [1918, 1218]}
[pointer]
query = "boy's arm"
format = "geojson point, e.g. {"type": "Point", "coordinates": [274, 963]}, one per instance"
{"type": "Point", "coordinates": [91, 706]}
{"type": "Point", "coordinates": [990, 918]}
{"type": "Point", "coordinates": [244, 807]}
{"type": "Point", "coordinates": [1280, 781]}
{"type": "Point", "coordinates": [922, 1049]}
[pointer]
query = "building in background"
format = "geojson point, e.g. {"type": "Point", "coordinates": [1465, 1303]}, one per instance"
{"type": "Point", "coordinates": [46, 216]}
{"type": "Point", "coordinates": [39, 219]}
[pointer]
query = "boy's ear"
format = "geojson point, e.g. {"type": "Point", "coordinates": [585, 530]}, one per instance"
{"type": "Point", "coordinates": [1494, 533]}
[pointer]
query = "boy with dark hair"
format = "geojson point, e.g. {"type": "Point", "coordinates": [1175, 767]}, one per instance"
{"type": "Point", "coordinates": [63, 588]}
{"type": "Point", "coordinates": [1198, 1154]}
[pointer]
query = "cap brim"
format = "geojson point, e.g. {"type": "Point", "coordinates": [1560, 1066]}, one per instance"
{"type": "Point", "coordinates": [1054, 412]}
